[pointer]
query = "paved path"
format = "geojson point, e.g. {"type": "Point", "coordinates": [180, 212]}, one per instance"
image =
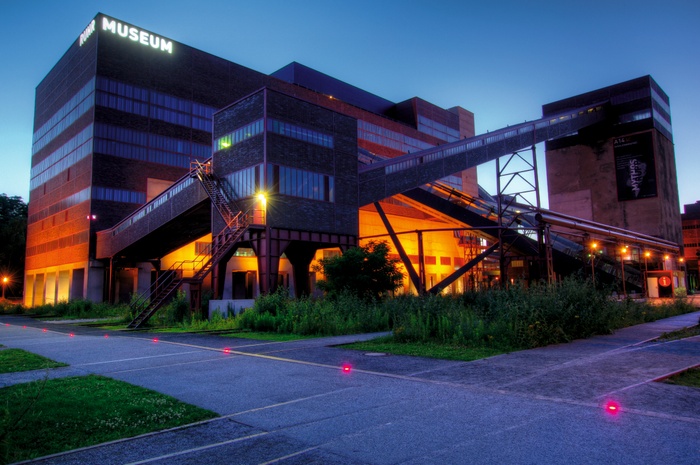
{"type": "Point", "coordinates": [290, 403]}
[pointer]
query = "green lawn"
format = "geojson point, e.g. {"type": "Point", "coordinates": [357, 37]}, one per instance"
{"type": "Point", "coordinates": [426, 349]}
{"type": "Point", "coordinates": [689, 378]}
{"type": "Point", "coordinates": [68, 413]}
{"type": "Point", "coordinates": [12, 360]}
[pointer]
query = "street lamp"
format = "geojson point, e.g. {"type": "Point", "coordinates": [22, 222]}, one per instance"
{"type": "Point", "coordinates": [594, 246]}
{"type": "Point", "coordinates": [4, 285]}
{"type": "Point", "coordinates": [647, 254]}
{"type": "Point", "coordinates": [622, 262]}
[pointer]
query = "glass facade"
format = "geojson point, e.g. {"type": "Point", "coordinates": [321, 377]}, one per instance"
{"type": "Point", "coordinates": [139, 145]}
{"type": "Point", "coordinates": [300, 133]}
{"type": "Point", "coordinates": [153, 104]}
{"type": "Point", "coordinates": [77, 106]}
{"type": "Point", "coordinates": [300, 183]}
{"type": "Point", "coordinates": [388, 138]}
{"type": "Point", "coordinates": [61, 205]}
{"type": "Point", "coordinates": [118, 195]}
{"type": "Point", "coordinates": [436, 129]}
{"type": "Point", "coordinates": [67, 155]}
{"type": "Point", "coordinates": [246, 182]}
{"type": "Point", "coordinates": [239, 135]}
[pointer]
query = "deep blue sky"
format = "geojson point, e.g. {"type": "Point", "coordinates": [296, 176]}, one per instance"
{"type": "Point", "coordinates": [499, 59]}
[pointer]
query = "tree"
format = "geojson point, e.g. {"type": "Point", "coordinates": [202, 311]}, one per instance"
{"type": "Point", "coordinates": [13, 239]}
{"type": "Point", "coordinates": [365, 271]}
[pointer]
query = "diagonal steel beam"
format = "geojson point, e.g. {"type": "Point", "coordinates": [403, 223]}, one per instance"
{"type": "Point", "coordinates": [468, 266]}
{"type": "Point", "coordinates": [415, 279]}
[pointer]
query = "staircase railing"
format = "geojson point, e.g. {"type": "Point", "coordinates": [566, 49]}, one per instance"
{"type": "Point", "coordinates": [195, 270]}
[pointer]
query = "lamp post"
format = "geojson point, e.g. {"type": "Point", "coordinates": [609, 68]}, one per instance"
{"type": "Point", "coordinates": [594, 246]}
{"type": "Point", "coordinates": [622, 263]}
{"type": "Point", "coordinates": [4, 285]}
{"type": "Point", "coordinates": [647, 254]}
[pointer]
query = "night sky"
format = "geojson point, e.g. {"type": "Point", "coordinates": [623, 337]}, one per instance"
{"type": "Point", "coordinates": [499, 59]}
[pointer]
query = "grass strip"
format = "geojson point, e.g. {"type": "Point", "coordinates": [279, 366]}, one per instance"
{"type": "Point", "coordinates": [426, 349]}
{"type": "Point", "coordinates": [690, 378]}
{"type": "Point", "coordinates": [13, 360]}
{"type": "Point", "coordinates": [681, 333]}
{"type": "Point", "coordinates": [274, 337]}
{"type": "Point", "coordinates": [50, 416]}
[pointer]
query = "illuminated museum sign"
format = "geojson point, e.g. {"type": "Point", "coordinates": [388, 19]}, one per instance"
{"type": "Point", "coordinates": [87, 32]}
{"type": "Point", "coordinates": [130, 33]}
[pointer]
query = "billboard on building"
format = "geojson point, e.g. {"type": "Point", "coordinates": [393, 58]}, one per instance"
{"type": "Point", "coordinates": [634, 167]}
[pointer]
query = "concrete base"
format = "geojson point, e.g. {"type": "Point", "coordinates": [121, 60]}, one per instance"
{"type": "Point", "coordinates": [225, 307]}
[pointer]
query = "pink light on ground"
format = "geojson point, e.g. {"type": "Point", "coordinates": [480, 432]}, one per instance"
{"type": "Point", "coordinates": [612, 407]}
{"type": "Point", "coordinates": [347, 368]}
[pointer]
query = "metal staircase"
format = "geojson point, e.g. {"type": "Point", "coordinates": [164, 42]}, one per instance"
{"type": "Point", "coordinates": [194, 271]}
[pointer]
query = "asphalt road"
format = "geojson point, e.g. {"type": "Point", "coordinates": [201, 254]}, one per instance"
{"type": "Point", "coordinates": [292, 403]}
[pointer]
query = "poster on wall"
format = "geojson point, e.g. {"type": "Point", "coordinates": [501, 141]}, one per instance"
{"type": "Point", "coordinates": [634, 167]}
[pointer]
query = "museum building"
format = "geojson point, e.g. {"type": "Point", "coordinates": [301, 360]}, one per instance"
{"type": "Point", "coordinates": [156, 165]}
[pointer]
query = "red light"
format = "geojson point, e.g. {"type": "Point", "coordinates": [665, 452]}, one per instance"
{"type": "Point", "coordinates": [7, 324]}
{"type": "Point", "coordinates": [24, 327]}
{"type": "Point", "coordinates": [106, 336]}
{"type": "Point", "coordinates": [155, 339]}
{"type": "Point", "coordinates": [43, 330]}
{"type": "Point", "coordinates": [347, 368]}
{"type": "Point", "coordinates": [227, 350]}
{"type": "Point", "coordinates": [71, 335]}
{"type": "Point", "coordinates": [612, 407]}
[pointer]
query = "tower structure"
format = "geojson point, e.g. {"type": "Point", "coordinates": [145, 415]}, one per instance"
{"type": "Point", "coordinates": [621, 171]}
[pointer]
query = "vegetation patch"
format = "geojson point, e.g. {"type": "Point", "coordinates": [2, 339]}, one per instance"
{"type": "Point", "coordinates": [13, 360]}
{"type": "Point", "coordinates": [274, 337]}
{"type": "Point", "coordinates": [425, 349]}
{"type": "Point", "coordinates": [51, 416]}
{"type": "Point", "coordinates": [681, 333]}
{"type": "Point", "coordinates": [690, 378]}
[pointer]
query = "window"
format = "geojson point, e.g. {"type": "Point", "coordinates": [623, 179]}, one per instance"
{"type": "Point", "coordinates": [300, 183]}
{"type": "Point", "coordinates": [300, 133]}
{"type": "Point", "coordinates": [239, 135]}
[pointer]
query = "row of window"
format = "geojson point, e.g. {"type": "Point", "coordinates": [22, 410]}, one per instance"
{"type": "Point", "coordinates": [60, 243]}
{"type": "Point", "coordinates": [118, 195]}
{"type": "Point", "coordinates": [73, 109]}
{"type": "Point", "coordinates": [691, 245]}
{"type": "Point", "coordinates": [70, 153]}
{"type": "Point", "coordinates": [149, 140]}
{"type": "Point", "coordinates": [238, 135]}
{"type": "Point", "coordinates": [300, 133]}
{"type": "Point", "coordinates": [691, 226]}
{"type": "Point", "coordinates": [388, 138]}
{"type": "Point", "coordinates": [246, 182]}
{"type": "Point", "coordinates": [153, 104]}
{"type": "Point", "coordinates": [436, 129]}
{"type": "Point", "coordinates": [144, 109]}
{"type": "Point", "coordinates": [283, 180]}
{"type": "Point", "coordinates": [300, 183]}
{"type": "Point", "coordinates": [63, 204]}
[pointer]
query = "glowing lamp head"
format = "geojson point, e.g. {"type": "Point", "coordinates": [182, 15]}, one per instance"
{"type": "Point", "coordinates": [227, 350]}
{"type": "Point", "coordinates": [71, 335]}
{"type": "Point", "coordinates": [262, 199]}
{"type": "Point", "coordinates": [155, 339]}
{"type": "Point", "coordinates": [4, 279]}
{"type": "Point", "coordinates": [346, 368]}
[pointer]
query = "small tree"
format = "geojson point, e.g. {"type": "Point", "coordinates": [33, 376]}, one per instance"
{"type": "Point", "coordinates": [365, 271]}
